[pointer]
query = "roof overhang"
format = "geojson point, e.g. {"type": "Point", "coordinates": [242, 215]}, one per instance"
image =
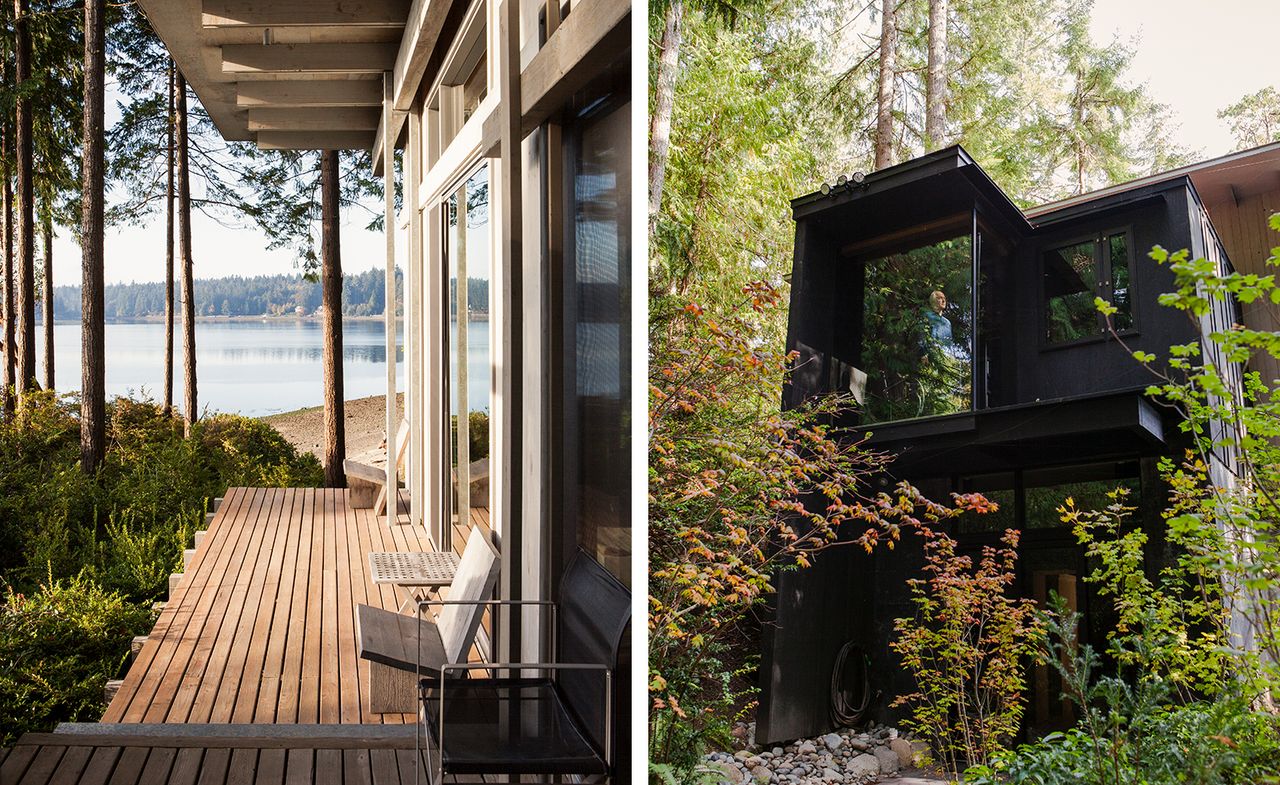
{"type": "Point", "coordinates": [1227, 178]}
{"type": "Point", "coordinates": [291, 74]}
{"type": "Point", "coordinates": [1044, 433]}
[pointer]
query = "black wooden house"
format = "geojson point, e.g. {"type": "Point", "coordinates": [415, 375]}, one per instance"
{"type": "Point", "coordinates": [967, 333]}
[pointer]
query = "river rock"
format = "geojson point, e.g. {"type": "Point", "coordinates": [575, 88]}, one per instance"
{"type": "Point", "coordinates": [887, 759]}
{"type": "Point", "coordinates": [833, 741]}
{"type": "Point", "coordinates": [903, 749]}
{"type": "Point", "coordinates": [863, 765]}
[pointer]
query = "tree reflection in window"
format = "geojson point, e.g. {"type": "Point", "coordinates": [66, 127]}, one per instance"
{"type": "Point", "coordinates": [917, 332]}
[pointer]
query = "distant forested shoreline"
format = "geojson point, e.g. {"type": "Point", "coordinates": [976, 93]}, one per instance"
{"type": "Point", "coordinates": [363, 294]}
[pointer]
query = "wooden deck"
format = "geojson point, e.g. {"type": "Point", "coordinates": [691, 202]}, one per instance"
{"type": "Point", "coordinates": [262, 627]}
{"type": "Point", "coordinates": [252, 672]}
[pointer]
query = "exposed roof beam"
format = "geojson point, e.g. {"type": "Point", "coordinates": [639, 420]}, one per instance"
{"type": "Point", "coordinates": [422, 32]}
{"type": "Point", "coordinates": [315, 93]}
{"type": "Point", "coordinates": [580, 48]}
{"type": "Point", "coordinates": [308, 58]}
{"type": "Point", "coordinates": [304, 13]}
{"type": "Point", "coordinates": [315, 140]}
{"type": "Point", "coordinates": [328, 119]}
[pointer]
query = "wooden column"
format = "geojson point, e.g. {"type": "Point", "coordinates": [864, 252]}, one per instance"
{"type": "Point", "coordinates": [414, 350]}
{"type": "Point", "coordinates": [389, 310]}
{"type": "Point", "coordinates": [509, 485]}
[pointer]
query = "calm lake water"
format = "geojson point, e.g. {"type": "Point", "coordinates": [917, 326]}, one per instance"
{"type": "Point", "coordinates": [250, 367]}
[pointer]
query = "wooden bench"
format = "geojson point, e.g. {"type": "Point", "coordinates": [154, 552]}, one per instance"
{"type": "Point", "coordinates": [366, 484]}
{"type": "Point", "coordinates": [398, 645]}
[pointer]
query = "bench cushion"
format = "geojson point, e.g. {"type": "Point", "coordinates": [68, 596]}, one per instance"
{"type": "Point", "coordinates": [392, 639]}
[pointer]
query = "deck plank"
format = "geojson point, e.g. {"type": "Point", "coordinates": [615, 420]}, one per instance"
{"type": "Point", "coordinates": [98, 770]}
{"type": "Point", "coordinates": [177, 683]}
{"type": "Point", "coordinates": [198, 698]}
{"type": "Point", "coordinates": [43, 764]}
{"type": "Point", "coordinates": [263, 628]}
{"type": "Point", "coordinates": [251, 666]}
{"type": "Point", "coordinates": [329, 673]}
{"type": "Point", "coordinates": [72, 765]}
{"type": "Point", "coordinates": [155, 659]}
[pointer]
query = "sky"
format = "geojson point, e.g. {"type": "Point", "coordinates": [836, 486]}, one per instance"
{"type": "Point", "coordinates": [1194, 56]}
{"type": "Point", "coordinates": [1197, 57]}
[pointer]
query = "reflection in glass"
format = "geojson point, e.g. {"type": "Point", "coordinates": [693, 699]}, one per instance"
{"type": "Point", "coordinates": [1069, 275]}
{"type": "Point", "coordinates": [598, 405]}
{"type": "Point", "coordinates": [1004, 517]}
{"type": "Point", "coordinates": [1123, 317]}
{"type": "Point", "coordinates": [1043, 502]}
{"type": "Point", "coordinates": [917, 332]}
{"type": "Point", "coordinates": [467, 259]}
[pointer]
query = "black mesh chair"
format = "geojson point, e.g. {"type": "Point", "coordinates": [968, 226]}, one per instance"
{"type": "Point", "coordinates": [504, 723]}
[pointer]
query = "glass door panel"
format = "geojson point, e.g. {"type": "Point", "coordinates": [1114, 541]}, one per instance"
{"type": "Point", "coordinates": [468, 266]}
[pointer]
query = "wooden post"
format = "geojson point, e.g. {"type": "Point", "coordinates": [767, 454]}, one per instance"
{"type": "Point", "coordinates": [507, 423]}
{"type": "Point", "coordinates": [414, 351]}
{"type": "Point", "coordinates": [389, 308]}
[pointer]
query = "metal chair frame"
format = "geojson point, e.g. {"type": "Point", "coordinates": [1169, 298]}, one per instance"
{"type": "Point", "coordinates": [553, 667]}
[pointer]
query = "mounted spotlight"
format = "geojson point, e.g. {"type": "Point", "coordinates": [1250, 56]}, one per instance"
{"type": "Point", "coordinates": [858, 177]}
{"type": "Point", "coordinates": [825, 188]}
{"type": "Point", "coordinates": [841, 180]}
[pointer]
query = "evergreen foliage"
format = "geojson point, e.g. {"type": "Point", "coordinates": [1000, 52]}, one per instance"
{"type": "Point", "coordinates": [363, 294]}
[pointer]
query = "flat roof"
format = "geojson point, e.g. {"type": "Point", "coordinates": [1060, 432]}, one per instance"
{"type": "Point", "coordinates": [287, 75]}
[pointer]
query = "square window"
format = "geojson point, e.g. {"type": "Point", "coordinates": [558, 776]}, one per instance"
{"type": "Point", "coordinates": [1074, 275]}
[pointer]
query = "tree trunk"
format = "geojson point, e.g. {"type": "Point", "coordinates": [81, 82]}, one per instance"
{"type": "Point", "coordinates": [168, 257]}
{"type": "Point", "coordinates": [935, 120]}
{"type": "Point", "coordinates": [10, 348]}
{"type": "Point", "coordinates": [189, 406]}
{"type": "Point", "coordinates": [335, 445]}
{"type": "Point", "coordinates": [47, 291]}
{"type": "Point", "coordinates": [663, 103]}
{"type": "Point", "coordinates": [888, 78]}
{"type": "Point", "coordinates": [26, 373]}
{"type": "Point", "coordinates": [93, 398]}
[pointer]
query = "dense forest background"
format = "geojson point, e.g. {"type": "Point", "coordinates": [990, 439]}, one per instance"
{"type": "Point", "coordinates": [363, 294]}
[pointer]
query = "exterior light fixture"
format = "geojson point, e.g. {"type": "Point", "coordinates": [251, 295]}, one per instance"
{"type": "Point", "coordinates": [858, 177]}
{"type": "Point", "coordinates": [825, 188]}
{"type": "Point", "coordinates": [841, 180]}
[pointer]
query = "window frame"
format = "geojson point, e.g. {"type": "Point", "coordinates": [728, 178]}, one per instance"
{"type": "Point", "coordinates": [1103, 284]}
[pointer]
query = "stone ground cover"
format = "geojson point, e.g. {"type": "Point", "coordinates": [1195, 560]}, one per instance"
{"type": "Point", "coordinates": [848, 757]}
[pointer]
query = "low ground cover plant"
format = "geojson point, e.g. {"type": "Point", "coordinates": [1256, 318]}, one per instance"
{"type": "Point", "coordinates": [82, 558]}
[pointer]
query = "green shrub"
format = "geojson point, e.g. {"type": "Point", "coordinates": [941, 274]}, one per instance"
{"type": "Point", "coordinates": [243, 451]}
{"type": "Point", "coordinates": [58, 646]}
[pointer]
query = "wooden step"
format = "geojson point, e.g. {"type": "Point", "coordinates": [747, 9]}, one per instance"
{"type": "Point", "coordinates": [158, 607]}
{"type": "Point", "coordinates": [208, 519]}
{"type": "Point", "coordinates": [174, 580]}
{"type": "Point", "coordinates": [187, 555]}
{"type": "Point", "coordinates": [137, 643]}
{"type": "Point", "coordinates": [199, 537]}
{"type": "Point", "coordinates": [216, 504]}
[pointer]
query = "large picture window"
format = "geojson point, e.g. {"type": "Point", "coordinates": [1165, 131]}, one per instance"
{"type": "Point", "coordinates": [597, 337]}
{"type": "Point", "coordinates": [917, 332]}
{"type": "Point", "coordinates": [1076, 274]}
